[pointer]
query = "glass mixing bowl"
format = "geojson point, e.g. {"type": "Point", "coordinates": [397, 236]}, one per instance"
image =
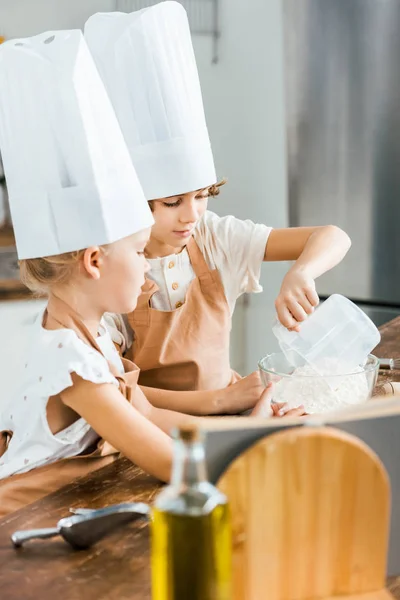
{"type": "Point", "coordinates": [318, 393]}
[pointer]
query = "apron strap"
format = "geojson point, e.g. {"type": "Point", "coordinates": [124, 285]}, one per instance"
{"type": "Point", "coordinates": [148, 289]}
{"type": "Point", "coordinates": [199, 264]}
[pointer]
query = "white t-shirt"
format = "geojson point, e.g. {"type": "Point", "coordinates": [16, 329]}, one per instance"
{"type": "Point", "coordinates": [52, 357]}
{"type": "Point", "coordinates": [235, 247]}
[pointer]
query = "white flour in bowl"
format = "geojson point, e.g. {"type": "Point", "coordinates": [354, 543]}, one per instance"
{"type": "Point", "coordinates": [305, 387]}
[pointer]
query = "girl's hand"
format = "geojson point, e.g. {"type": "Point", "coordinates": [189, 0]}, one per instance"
{"type": "Point", "coordinates": [265, 408]}
{"type": "Point", "coordinates": [297, 298]}
{"type": "Point", "coordinates": [283, 410]}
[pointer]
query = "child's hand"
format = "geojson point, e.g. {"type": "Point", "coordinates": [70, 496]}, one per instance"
{"type": "Point", "coordinates": [242, 395]}
{"type": "Point", "coordinates": [283, 410]}
{"type": "Point", "coordinates": [265, 408]}
{"type": "Point", "coordinates": [297, 298]}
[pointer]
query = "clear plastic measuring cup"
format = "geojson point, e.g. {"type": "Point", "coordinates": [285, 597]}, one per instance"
{"type": "Point", "coordinates": [338, 334]}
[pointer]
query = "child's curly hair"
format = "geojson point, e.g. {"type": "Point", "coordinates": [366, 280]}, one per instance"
{"type": "Point", "coordinates": [214, 190]}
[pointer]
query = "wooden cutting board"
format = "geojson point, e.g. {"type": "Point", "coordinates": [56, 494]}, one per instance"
{"type": "Point", "coordinates": [310, 514]}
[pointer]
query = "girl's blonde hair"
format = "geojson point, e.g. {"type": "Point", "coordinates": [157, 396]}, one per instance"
{"type": "Point", "coordinates": [41, 274]}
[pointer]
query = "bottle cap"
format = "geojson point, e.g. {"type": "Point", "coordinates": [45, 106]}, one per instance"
{"type": "Point", "coordinates": [187, 433]}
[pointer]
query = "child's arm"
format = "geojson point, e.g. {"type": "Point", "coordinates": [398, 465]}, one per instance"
{"type": "Point", "coordinates": [136, 431]}
{"type": "Point", "coordinates": [315, 250]}
{"type": "Point", "coordinates": [166, 419]}
{"type": "Point", "coordinates": [139, 432]}
{"type": "Point", "coordinates": [234, 399]}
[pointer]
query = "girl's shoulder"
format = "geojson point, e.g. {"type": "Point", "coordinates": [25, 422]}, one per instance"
{"type": "Point", "coordinates": [55, 354]}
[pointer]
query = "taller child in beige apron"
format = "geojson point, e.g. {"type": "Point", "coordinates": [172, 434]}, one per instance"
{"type": "Point", "coordinates": [200, 263]}
{"type": "Point", "coordinates": [81, 223]}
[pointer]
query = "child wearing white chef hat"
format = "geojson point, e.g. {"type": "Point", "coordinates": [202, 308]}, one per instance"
{"type": "Point", "coordinates": [81, 223]}
{"type": "Point", "coordinates": [199, 263]}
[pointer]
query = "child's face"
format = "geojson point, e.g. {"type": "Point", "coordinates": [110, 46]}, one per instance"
{"type": "Point", "coordinates": [176, 217]}
{"type": "Point", "coordinates": [126, 270]}
{"type": "Point", "coordinates": [119, 272]}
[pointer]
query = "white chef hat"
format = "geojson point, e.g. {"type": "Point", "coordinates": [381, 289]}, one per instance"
{"type": "Point", "coordinates": [70, 178]}
{"type": "Point", "coordinates": [147, 63]}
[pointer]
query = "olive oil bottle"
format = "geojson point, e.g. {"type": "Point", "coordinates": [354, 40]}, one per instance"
{"type": "Point", "coordinates": [191, 533]}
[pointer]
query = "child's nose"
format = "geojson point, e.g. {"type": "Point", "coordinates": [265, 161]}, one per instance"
{"type": "Point", "coordinates": [190, 213]}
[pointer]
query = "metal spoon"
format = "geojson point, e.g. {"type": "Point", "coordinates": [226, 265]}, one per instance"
{"type": "Point", "coordinates": [84, 530]}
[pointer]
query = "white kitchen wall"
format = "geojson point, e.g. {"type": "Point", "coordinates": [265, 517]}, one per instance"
{"type": "Point", "coordinates": [20, 18]}
{"type": "Point", "coordinates": [243, 96]}
{"type": "Point", "coordinates": [244, 101]}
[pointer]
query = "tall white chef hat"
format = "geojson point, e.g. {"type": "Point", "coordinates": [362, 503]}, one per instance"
{"type": "Point", "coordinates": [70, 178]}
{"type": "Point", "coordinates": [147, 63]}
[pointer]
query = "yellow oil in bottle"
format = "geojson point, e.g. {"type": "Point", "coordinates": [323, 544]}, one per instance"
{"type": "Point", "coordinates": [191, 531]}
{"type": "Point", "coordinates": [191, 556]}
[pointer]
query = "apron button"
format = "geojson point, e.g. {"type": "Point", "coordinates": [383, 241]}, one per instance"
{"type": "Point", "coordinates": [171, 264]}
{"type": "Point", "coordinates": [178, 304]}
{"type": "Point", "coordinates": [175, 286]}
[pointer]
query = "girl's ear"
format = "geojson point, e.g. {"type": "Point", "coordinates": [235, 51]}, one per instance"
{"type": "Point", "coordinates": [93, 260]}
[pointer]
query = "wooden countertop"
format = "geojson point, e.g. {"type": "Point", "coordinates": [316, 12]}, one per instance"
{"type": "Point", "coordinates": [388, 348]}
{"type": "Point", "coordinates": [118, 567]}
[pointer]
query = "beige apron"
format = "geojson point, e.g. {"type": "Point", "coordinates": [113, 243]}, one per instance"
{"type": "Point", "coordinates": [19, 490]}
{"type": "Point", "coordinates": [187, 348]}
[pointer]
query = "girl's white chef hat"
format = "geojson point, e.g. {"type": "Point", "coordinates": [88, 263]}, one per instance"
{"type": "Point", "coordinates": [70, 178]}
